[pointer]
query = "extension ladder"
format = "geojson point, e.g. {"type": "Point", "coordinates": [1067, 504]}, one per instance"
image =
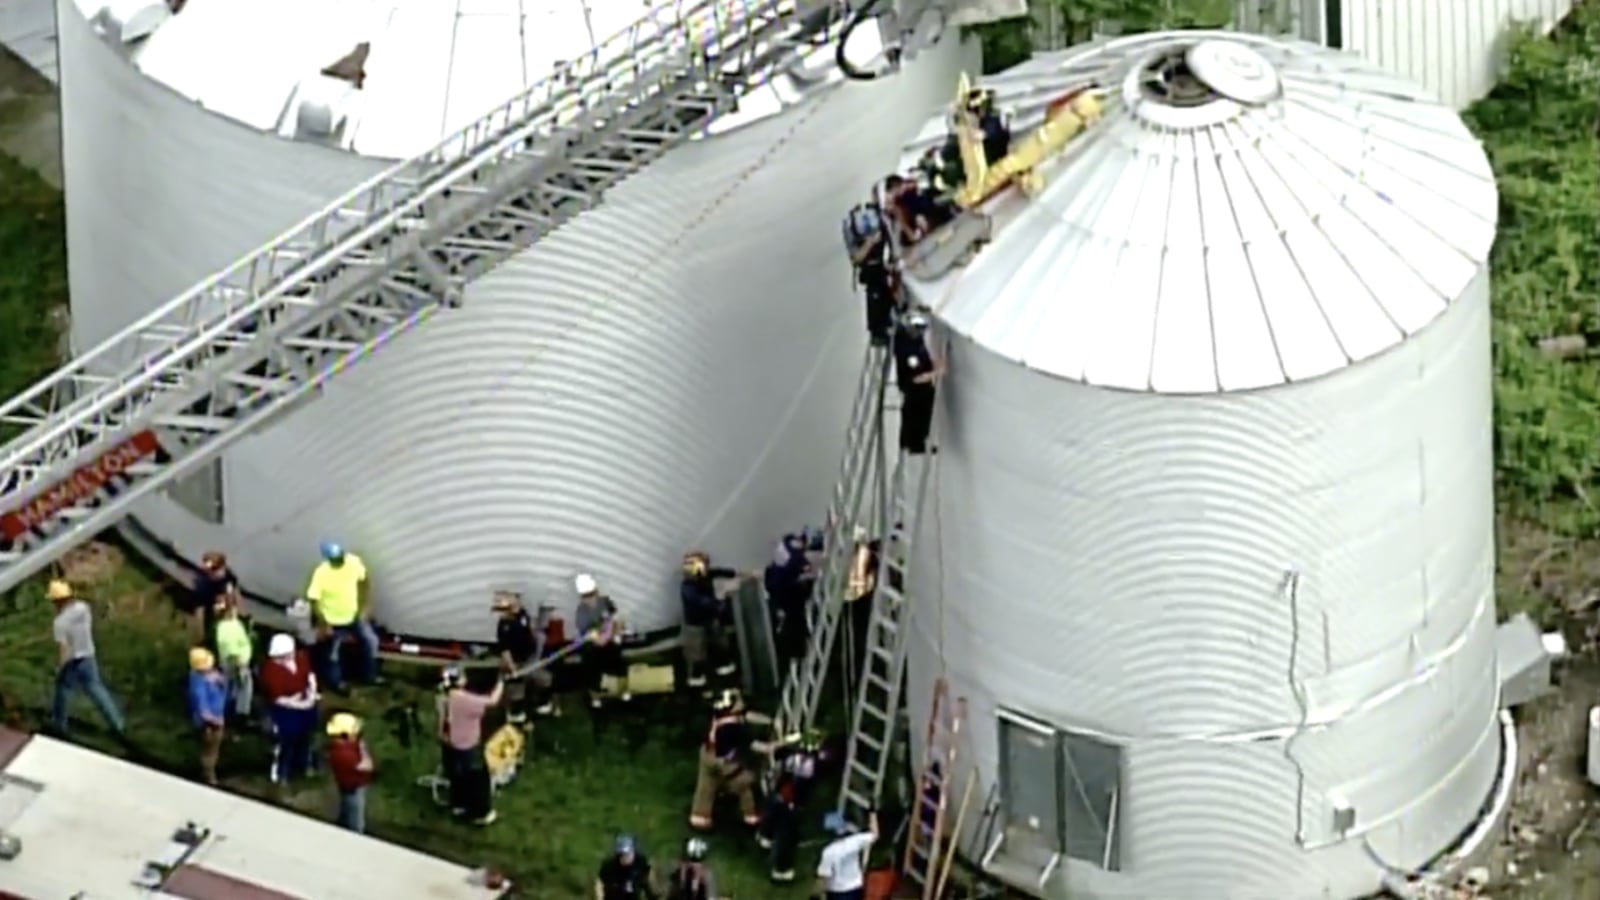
{"type": "Point", "coordinates": [877, 706]}
{"type": "Point", "coordinates": [172, 391]}
{"type": "Point", "coordinates": [925, 844]}
{"type": "Point", "coordinates": [802, 688]}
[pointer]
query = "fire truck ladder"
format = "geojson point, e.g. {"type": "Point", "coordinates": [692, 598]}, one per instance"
{"type": "Point", "coordinates": [176, 388]}
{"type": "Point", "coordinates": [927, 856]}
{"type": "Point", "coordinates": [864, 446]}
{"type": "Point", "coordinates": [877, 707]}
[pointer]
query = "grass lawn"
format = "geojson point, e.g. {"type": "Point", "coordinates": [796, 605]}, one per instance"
{"type": "Point", "coordinates": [583, 783]}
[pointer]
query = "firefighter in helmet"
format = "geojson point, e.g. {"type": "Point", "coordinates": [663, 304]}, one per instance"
{"type": "Point", "coordinates": [724, 760]}
{"type": "Point", "coordinates": [795, 764]}
{"type": "Point", "coordinates": [705, 617]}
{"type": "Point", "coordinates": [692, 879]}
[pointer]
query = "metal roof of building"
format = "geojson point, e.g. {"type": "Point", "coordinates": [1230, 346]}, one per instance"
{"type": "Point", "coordinates": [434, 65]}
{"type": "Point", "coordinates": [89, 825]}
{"type": "Point", "coordinates": [1248, 213]}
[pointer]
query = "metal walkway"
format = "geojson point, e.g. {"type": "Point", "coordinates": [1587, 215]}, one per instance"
{"type": "Point", "coordinates": [176, 388]}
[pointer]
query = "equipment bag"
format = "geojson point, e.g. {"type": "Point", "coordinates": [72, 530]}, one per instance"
{"type": "Point", "coordinates": [863, 223]}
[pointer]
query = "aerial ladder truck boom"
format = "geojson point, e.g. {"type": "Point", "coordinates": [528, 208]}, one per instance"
{"type": "Point", "coordinates": [173, 390]}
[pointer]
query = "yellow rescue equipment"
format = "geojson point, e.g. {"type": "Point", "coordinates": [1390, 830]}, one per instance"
{"type": "Point", "coordinates": [1066, 118]}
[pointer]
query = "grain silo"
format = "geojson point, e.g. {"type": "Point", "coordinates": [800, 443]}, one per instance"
{"type": "Point", "coordinates": [1210, 547]}
{"type": "Point", "coordinates": [650, 378]}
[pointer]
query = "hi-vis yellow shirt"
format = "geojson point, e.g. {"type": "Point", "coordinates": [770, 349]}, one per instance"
{"type": "Point", "coordinates": [336, 592]}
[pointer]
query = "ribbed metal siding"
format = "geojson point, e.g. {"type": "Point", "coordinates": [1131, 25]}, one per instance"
{"type": "Point", "coordinates": [1454, 48]}
{"type": "Point", "coordinates": [1114, 562]}
{"type": "Point", "coordinates": [673, 370]}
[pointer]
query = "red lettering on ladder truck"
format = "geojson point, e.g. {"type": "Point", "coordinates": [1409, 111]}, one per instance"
{"type": "Point", "coordinates": [79, 486]}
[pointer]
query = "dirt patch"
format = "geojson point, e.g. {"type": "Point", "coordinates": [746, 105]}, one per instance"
{"type": "Point", "coordinates": [1551, 847]}
{"type": "Point", "coordinates": [92, 565]}
{"type": "Point", "coordinates": [30, 118]}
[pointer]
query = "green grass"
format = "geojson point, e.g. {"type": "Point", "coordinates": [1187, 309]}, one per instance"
{"type": "Point", "coordinates": [583, 783]}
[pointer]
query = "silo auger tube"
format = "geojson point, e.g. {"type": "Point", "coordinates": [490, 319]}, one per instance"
{"type": "Point", "coordinates": [173, 390]}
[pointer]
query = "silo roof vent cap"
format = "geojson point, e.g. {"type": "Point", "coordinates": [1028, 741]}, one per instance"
{"type": "Point", "coordinates": [1234, 71]}
{"type": "Point", "coordinates": [131, 20]}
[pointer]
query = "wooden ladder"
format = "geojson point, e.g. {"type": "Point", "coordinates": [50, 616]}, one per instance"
{"type": "Point", "coordinates": [929, 855]}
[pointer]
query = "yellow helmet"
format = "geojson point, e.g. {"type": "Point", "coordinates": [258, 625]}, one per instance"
{"type": "Point", "coordinates": [60, 590]}
{"type": "Point", "coordinates": [201, 660]}
{"type": "Point", "coordinates": [344, 725]}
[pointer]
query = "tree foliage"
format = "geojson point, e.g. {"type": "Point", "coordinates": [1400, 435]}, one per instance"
{"type": "Point", "coordinates": [1541, 128]}
{"type": "Point", "coordinates": [1007, 43]}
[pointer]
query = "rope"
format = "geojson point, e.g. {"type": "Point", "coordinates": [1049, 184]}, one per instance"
{"type": "Point", "coordinates": [590, 311]}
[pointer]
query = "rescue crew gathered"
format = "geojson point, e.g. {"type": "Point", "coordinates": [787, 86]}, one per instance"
{"type": "Point", "coordinates": [332, 631]}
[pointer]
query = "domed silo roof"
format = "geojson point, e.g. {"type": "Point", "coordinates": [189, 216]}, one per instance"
{"type": "Point", "coordinates": [1324, 210]}
{"type": "Point", "coordinates": [1209, 543]}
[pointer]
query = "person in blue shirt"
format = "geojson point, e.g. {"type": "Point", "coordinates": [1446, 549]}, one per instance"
{"type": "Point", "coordinates": [208, 708]}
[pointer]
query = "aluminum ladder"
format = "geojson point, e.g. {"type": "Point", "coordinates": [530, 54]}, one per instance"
{"type": "Point", "coordinates": [172, 391]}
{"type": "Point", "coordinates": [876, 713]}
{"type": "Point", "coordinates": [927, 850]}
{"type": "Point", "coordinates": [863, 452]}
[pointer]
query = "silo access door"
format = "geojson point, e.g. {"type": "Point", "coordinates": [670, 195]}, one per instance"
{"type": "Point", "coordinates": [1027, 848]}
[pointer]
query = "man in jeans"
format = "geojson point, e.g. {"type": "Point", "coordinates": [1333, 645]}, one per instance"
{"type": "Point", "coordinates": [76, 668]}
{"type": "Point", "coordinates": [338, 593]}
{"type": "Point", "coordinates": [461, 712]}
{"type": "Point", "coordinates": [208, 709]}
{"type": "Point", "coordinates": [352, 769]}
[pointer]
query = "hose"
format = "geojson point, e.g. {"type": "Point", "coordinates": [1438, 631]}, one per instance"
{"type": "Point", "coordinates": [850, 69]}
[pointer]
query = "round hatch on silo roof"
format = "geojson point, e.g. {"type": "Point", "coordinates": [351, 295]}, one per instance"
{"type": "Point", "coordinates": [1235, 71]}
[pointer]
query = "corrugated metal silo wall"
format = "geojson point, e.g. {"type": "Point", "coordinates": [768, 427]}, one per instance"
{"type": "Point", "coordinates": [1453, 48]}
{"type": "Point", "coordinates": [673, 370]}
{"type": "Point", "coordinates": [1115, 566]}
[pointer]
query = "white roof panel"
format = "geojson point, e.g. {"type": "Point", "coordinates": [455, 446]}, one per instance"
{"type": "Point", "coordinates": [1194, 242]}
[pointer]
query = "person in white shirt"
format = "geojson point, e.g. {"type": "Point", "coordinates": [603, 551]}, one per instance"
{"type": "Point", "coordinates": [842, 872]}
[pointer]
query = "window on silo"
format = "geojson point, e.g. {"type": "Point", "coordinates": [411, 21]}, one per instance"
{"type": "Point", "coordinates": [201, 492]}
{"type": "Point", "coordinates": [1092, 790]}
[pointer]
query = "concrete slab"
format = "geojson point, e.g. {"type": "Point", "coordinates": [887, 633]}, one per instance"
{"type": "Point", "coordinates": [30, 119]}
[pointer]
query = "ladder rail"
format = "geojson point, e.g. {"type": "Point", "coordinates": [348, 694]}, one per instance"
{"type": "Point", "coordinates": [387, 203]}
{"type": "Point", "coordinates": [807, 675]}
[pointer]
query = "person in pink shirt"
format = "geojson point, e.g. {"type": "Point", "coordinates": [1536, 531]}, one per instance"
{"type": "Point", "coordinates": [461, 712]}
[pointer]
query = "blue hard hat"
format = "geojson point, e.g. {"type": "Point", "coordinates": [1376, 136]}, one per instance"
{"type": "Point", "coordinates": [625, 844]}
{"type": "Point", "coordinates": [834, 823]}
{"type": "Point", "coordinates": [332, 551]}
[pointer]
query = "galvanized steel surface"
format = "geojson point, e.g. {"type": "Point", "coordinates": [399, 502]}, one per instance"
{"type": "Point", "coordinates": [1249, 244]}
{"type": "Point", "coordinates": [1274, 601]}
{"type": "Point", "coordinates": [672, 370]}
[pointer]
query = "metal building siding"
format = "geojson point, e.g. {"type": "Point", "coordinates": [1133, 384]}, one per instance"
{"type": "Point", "coordinates": [1114, 563]}
{"type": "Point", "coordinates": [672, 370]}
{"type": "Point", "coordinates": [1454, 48]}
{"type": "Point", "coordinates": [162, 193]}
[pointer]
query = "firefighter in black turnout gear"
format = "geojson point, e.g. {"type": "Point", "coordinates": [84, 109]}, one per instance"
{"type": "Point", "coordinates": [795, 765]}
{"type": "Point", "coordinates": [916, 374]}
{"type": "Point", "coordinates": [692, 879]}
{"type": "Point", "coordinates": [625, 874]}
{"type": "Point", "coordinates": [705, 619]}
{"type": "Point", "coordinates": [866, 240]}
{"type": "Point", "coordinates": [519, 639]}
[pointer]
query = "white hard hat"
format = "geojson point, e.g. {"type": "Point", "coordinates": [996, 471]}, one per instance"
{"type": "Point", "coordinates": [280, 645]}
{"type": "Point", "coordinates": [584, 584]}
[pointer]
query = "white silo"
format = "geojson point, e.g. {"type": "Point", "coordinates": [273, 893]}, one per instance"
{"type": "Point", "coordinates": [1209, 548]}
{"type": "Point", "coordinates": [652, 377]}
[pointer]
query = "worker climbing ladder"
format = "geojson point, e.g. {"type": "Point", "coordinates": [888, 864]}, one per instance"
{"type": "Point", "coordinates": [882, 685]}
{"type": "Point", "coordinates": [803, 685]}
{"type": "Point", "coordinates": [926, 864]}
{"type": "Point", "coordinates": [173, 390]}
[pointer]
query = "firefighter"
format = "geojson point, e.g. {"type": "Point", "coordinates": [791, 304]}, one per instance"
{"type": "Point", "coordinates": [722, 760]}
{"type": "Point", "coordinates": [993, 132]}
{"type": "Point", "coordinates": [868, 246]}
{"type": "Point", "coordinates": [704, 618]}
{"type": "Point", "coordinates": [600, 631]}
{"type": "Point", "coordinates": [790, 580]}
{"type": "Point", "coordinates": [916, 374]}
{"type": "Point", "coordinates": [520, 641]}
{"type": "Point", "coordinates": [796, 766]}
{"type": "Point", "coordinates": [692, 879]}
